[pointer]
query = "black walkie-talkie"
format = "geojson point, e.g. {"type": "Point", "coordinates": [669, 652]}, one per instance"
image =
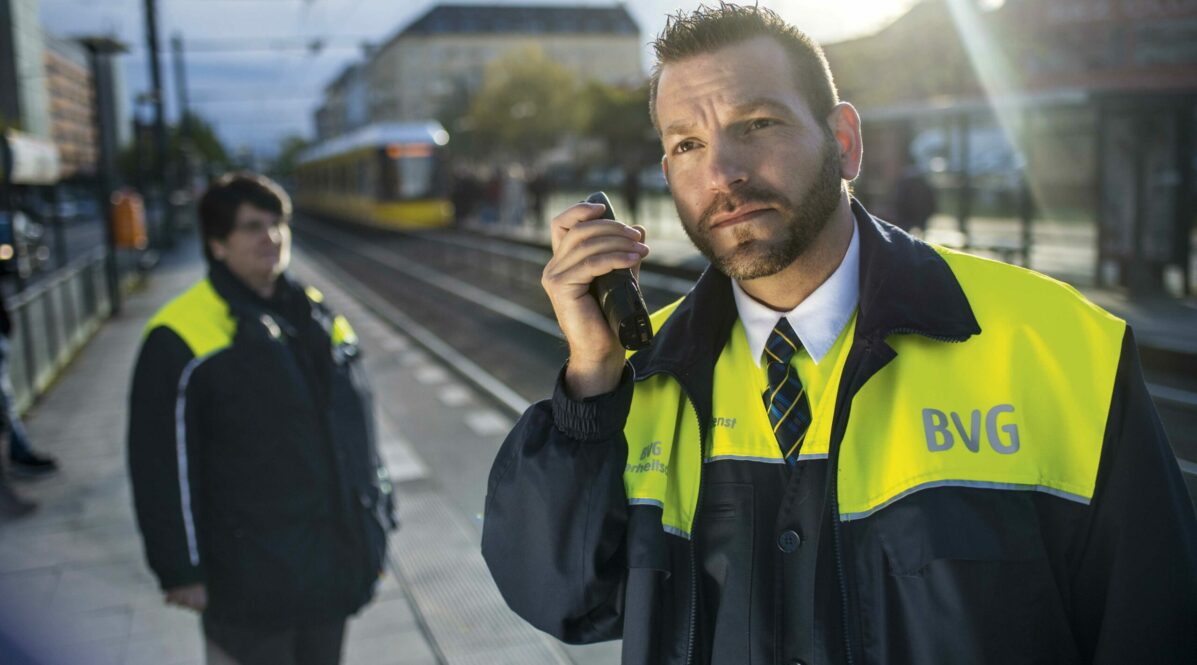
{"type": "Point", "coordinates": [619, 297]}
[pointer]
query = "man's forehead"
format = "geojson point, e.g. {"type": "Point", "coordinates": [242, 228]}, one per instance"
{"type": "Point", "coordinates": [251, 211]}
{"type": "Point", "coordinates": [752, 75]}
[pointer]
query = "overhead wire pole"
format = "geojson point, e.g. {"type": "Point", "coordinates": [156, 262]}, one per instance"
{"type": "Point", "coordinates": [100, 51]}
{"type": "Point", "coordinates": [176, 44]}
{"type": "Point", "coordinates": [163, 177]}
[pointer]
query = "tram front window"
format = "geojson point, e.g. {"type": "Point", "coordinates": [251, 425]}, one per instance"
{"type": "Point", "coordinates": [415, 177]}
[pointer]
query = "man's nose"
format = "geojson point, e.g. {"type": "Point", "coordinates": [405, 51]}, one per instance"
{"type": "Point", "coordinates": [728, 167]}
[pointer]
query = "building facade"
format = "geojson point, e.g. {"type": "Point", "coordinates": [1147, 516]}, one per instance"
{"type": "Point", "coordinates": [72, 106]}
{"type": "Point", "coordinates": [24, 103]}
{"type": "Point", "coordinates": [446, 51]}
{"type": "Point", "coordinates": [1079, 110]}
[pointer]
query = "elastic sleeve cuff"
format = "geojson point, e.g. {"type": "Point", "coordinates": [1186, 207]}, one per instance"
{"type": "Point", "coordinates": [595, 418]}
{"type": "Point", "coordinates": [181, 578]}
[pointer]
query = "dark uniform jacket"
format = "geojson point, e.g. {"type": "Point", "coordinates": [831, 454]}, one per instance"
{"type": "Point", "coordinates": [979, 552]}
{"type": "Point", "coordinates": [252, 455]}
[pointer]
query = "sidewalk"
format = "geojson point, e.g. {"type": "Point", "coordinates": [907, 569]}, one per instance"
{"type": "Point", "coordinates": [72, 575]}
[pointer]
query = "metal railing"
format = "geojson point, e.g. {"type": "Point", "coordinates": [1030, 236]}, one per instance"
{"type": "Point", "coordinates": [52, 320]}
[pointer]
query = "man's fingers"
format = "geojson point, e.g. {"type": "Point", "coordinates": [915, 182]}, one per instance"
{"type": "Point", "coordinates": [585, 231]}
{"type": "Point", "coordinates": [585, 270]}
{"type": "Point", "coordinates": [570, 217]}
{"type": "Point", "coordinates": [596, 245]}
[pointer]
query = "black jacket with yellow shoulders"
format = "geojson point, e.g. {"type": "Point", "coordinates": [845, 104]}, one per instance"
{"type": "Point", "coordinates": [252, 454]}
{"type": "Point", "coordinates": [995, 487]}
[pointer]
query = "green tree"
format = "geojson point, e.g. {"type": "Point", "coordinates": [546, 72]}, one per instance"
{"type": "Point", "coordinates": [201, 141]}
{"type": "Point", "coordinates": [453, 112]}
{"type": "Point", "coordinates": [285, 162]}
{"type": "Point", "coordinates": [526, 105]}
{"type": "Point", "coordinates": [619, 120]}
{"type": "Point", "coordinates": [194, 139]}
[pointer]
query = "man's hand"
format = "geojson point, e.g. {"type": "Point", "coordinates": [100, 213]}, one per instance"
{"type": "Point", "coordinates": [585, 247]}
{"type": "Point", "coordinates": [194, 597]}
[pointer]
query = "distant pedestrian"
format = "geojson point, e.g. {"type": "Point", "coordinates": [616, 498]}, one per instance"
{"type": "Point", "coordinates": [538, 191]}
{"type": "Point", "coordinates": [26, 463]}
{"type": "Point", "coordinates": [914, 200]}
{"type": "Point", "coordinates": [631, 191]}
{"type": "Point", "coordinates": [259, 493]}
{"type": "Point", "coordinates": [11, 504]}
{"type": "Point", "coordinates": [465, 195]}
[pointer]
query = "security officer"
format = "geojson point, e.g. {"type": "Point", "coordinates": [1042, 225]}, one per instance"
{"type": "Point", "coordinates": [259, 493]}
{"type": "Point", "coordinates": [844, 445]}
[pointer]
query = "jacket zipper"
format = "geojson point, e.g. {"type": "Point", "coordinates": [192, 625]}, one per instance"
{"type": "Point", "coordinates": [693, 536]}
{"type": "Point", "coordinates": [694, 524]}
{"type": "Point", "coordinates": [937, 338]}
{"type": "Point", "coordinates": [836, 536]}
{"type": "Point", "coordinates": [838, 433]}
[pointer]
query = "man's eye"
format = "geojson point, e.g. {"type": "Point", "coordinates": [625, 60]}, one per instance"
{"type": "Point", "coordinates": [684, 146]}
{"type": "Point", "coordinates": [761, 123]}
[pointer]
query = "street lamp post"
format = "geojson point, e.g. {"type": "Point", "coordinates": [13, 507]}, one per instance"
{"type": "Point", "coordinates": [100, 51]}
{"type": "Point", "coordinates": [164, 177]}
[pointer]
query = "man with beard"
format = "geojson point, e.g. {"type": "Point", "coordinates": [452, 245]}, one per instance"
{"type": "Point", "coordinates": [844, 445]}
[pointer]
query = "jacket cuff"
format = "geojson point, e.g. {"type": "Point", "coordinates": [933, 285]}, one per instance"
{"type": "Point", "coordinates": [181, 578]}
{"type": "Point", "coordinates": [594, 418]}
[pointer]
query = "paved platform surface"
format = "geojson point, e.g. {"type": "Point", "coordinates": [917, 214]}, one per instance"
{"type": "Point", "coordinates": [73, 581]}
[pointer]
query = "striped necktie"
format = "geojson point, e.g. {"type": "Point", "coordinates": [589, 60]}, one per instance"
{"type": "Point", "coordinates": [785, 400]}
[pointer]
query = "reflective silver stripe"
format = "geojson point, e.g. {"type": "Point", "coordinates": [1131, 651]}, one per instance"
{"type": "Point", "coordinates": [746, 458]}
{"type": "Point", "coordinates": [765, 460]}
{"type": "Point", "coordinates": [979, 484]}
{"type": "Point", "coordinates": [181, 455]}
{"type": "Point", "coordinates": [646, 502]}
{"type": "Point", "coordinates": [653, 502]}
{"type": "Point", "coordinates": [675, 531]}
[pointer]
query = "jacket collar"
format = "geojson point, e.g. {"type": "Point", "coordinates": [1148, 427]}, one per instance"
{"type": "Point", "coordinates": [905, 287]}
{"type": "Point", "coordinates": [244, 301]}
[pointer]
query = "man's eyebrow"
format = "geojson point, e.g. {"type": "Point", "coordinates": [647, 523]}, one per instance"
{"type": "Point", "coordinates": [741, 109]}
{"type": "Point", "coordinates": [679, 127]}
{"type": "Point", "coordinates": [763, 104]}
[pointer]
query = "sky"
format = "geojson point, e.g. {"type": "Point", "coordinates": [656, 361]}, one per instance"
{"type": "Point", "coordinates": [259, 93]}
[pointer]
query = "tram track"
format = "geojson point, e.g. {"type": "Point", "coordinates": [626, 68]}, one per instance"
{"type": "Point", "coordinates": [456, 281]}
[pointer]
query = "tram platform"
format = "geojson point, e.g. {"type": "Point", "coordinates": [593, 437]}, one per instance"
{"type": "Point", "coordinates": [74, 585]}
{"type": "Point", "coordinates": [1163, 325]}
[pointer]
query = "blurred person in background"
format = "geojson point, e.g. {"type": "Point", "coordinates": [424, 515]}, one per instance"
{"type": "Point", "coordinates": [258, 489]}
{"type": "Point", "coordinates": [844, 445]}
{"type": "Point", "coordinates": [24, 461]}
{"type": "Point", "coordinates": [914, 200]}
{"type": "Point", "coordinates": [12, 504]}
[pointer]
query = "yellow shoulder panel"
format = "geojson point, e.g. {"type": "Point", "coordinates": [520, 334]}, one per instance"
{"type": "Point", "coordinates": [1021, 406]}
{"type": "Point", "coordinates": [200, 317]}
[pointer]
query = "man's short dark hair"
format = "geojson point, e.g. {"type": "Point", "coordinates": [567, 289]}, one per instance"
{"type": "Point", "coordinates": [218, 206]}
{"type": "Point", "coordinates": [709, 29]}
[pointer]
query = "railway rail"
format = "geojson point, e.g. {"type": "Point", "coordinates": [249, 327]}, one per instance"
{"type": "Point", "coordinates": [477, 303]}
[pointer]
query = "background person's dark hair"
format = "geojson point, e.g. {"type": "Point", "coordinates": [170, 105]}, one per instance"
{"type": "Point", "coordinates": [218, 206]}
{"type": "Point", "coordinates": [709, 29]}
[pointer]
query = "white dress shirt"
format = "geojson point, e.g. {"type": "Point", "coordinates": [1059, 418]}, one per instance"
{"type": "Point", "coordinates": [818, 320]}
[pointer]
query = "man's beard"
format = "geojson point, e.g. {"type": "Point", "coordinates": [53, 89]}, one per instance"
{"type": "Point", "coordinates": [753, 257]}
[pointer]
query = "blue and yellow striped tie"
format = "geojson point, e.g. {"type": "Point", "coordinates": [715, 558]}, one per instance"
{"type": "Point", "coordinates": [785, 400]}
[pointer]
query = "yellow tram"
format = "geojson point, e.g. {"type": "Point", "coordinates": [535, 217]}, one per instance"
{"type": "Point", "coordinates": [390, 175]}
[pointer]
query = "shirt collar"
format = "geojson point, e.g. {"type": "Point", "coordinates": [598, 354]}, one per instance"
{"type": "Point", "coordinates": [818, 320]}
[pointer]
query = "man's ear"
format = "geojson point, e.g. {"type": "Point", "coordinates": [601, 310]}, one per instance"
{"type": "Point", "coordinates": [844, 123]}
{"type": "Point", "coordinates": [665, 167]}
{"type": "Point", "coordinates": [217, 249]}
